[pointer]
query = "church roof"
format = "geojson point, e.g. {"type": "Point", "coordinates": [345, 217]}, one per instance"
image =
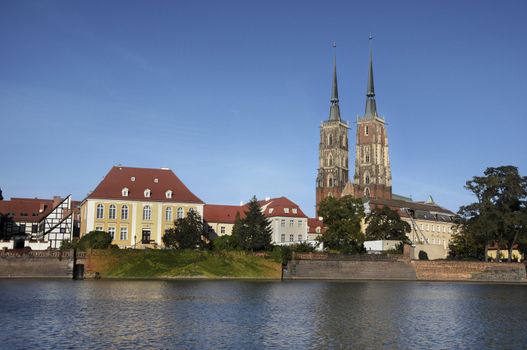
{"type": "Point", "coordinates": [334, 109]}
{"type": "Point", "coordinates": [371, 106]}
{"type": "Point", "coordinates": [137, 180]}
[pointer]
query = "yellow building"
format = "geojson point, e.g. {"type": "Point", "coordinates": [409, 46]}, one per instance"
{"type": "Point", "coordinates": [137, 205]}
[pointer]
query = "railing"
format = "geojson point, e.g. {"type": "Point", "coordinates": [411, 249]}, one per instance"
{"type": "Point", "coordinates": [40, 253]}
{"type": "Point", "coordinates": [349, 257]}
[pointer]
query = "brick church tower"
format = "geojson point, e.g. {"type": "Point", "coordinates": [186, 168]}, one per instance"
{"type": "Point", "coordinates": [333, 149]}
{"type": "Point", "coordinates": [373, 177]}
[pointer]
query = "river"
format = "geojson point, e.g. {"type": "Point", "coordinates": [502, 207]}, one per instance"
{"type": "Point", "coordinates": [107, 314]}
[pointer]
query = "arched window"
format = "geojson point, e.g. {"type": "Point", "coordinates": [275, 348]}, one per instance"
{"type": "Point", "coordinates": [168, 194]}
{"type": "Point", "coordinates": [168, 214]}
{"type": "Point", "coordinates": [147, 213]}
{"type": "Point", "coordinates": [367, 192]}
{"type": "Point", "coordinates": [124, 192]}
{"type": "Point", "coordinates": [100, 211]}
{"type": "Point", "coordinates": [330, 160]}
{"type": "Point", "coordinates": [330, 181]}
{"type": "Point", "coordinates": [124, 212]}
{"type": "Point", "coordinates": [330, 140]}
{"type": "Point", "coordinates": [366, 130]}
{"type": "Point", "coordinates": [367, 179]}
{"type": "Point", "coordinates": [147, 193]}
{"type": "Point", "coordinates": [180, 213]}
{"type": "Point", "coordinates": [111, 212]}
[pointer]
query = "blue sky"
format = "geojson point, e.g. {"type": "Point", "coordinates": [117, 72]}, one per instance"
{"type": "Point", "coordinates": [230, 95]}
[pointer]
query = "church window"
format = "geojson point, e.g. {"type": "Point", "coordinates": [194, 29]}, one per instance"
{"type": "Point", "coordinates": [366, 130]}
{"type": "Point", "coordinates": [124, 212]}
{"type": "Point", "coordinates": [100, 211]}
{"type": "Point", "coordinates": [367, 158]}
{"type": "Point", "coordinates": [330, 181]}
{"type": "Point", "coordinates": [367, 179]}
{"type": "Point", "coordinates": [330, 140]}
{"type": "Point", "coordinates": [330, 160]}
{"type": "Point", "coordinates": [367, 192]}
{"type": "Point", "coordinates": [111, 212]}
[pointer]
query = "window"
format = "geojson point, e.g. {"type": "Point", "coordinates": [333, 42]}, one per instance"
{"type": "Point", "coordinates": [147, 213]}
{"type": "Point", "coordinates": [100, 211]}
{"type": "Point", "coordinates": [291, 223]}
{"type": "Point", "coordinates": [299, 223]}
{"type": "Point", "coordinates": [330, 181]}
{"type": "Point", "coordinates": [367, 192]}
{"type": "Point", "coordinates": [282, 238]}
{"type": "Point", "coordinates": [124, 233]}
{"type": "Point", "coordinates": [180, 213]}
{"type": "Point", "coordinates": [124, 212]}
{"type": "Point", "coordinates": [168, 194]}
{"type": "Point", "coordinates": [111, 212]}
{"type": "Point", "coordinates": [282, 223]}
{"type": "Point", "coordinates": [291, 238]}
{"type": "Point", "coordinates": [367, 158]}
{"type": "Point", "coordinates": [168, 214]}
{"type": "Point", "coordinates": [317, 230]}
{"type": "Point", "coordinates": [34, 228]}
{"type": "Point", "coordinates": [432, 228]}
{"type": "Point", "coordinates": [148, 193]}
{"type": "Point", "coordinates": [294, 210]}
{"type": "Point", "coordinates": [271, 210]}
{"type": "Point", "coordinates": [286, 210]}
{"type": "Point", "coordinates": [124, 192]}
{"type": "Point", "coordinates": [427, 227]}
{"type": "Point", "coordinates": [156, 180]}
{"type": "Point", "coordinates": [299, 238]}
{"type": "Point", "coordinates": [132, 178]}
{"type": "Point", "coordinates": [367, 179]}
{"type": "Point", "coordinates": [330, 140]}
{"type": "Point", "coordinates": [98, 228]}
{"type": "Point", "coordinates": [421, 227]}
{"type": "Point", "coordinates": [111, 231]}
{"type": "Point", "coordinates": [62, 230]}
{"type": "Point", "coordinates": [145, 238]}
{"type": "Point", "coordinates": [366, 130]}
{"type": "Point", "coordinates": [222, 230]}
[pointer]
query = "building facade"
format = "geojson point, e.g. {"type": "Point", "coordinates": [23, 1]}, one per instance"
{"type": "Point", "coordinates": [137, 205]}
{"type": "Point", "coordinates": [288, 222]}
{"type": "Point", "coordinates": [39, 223]}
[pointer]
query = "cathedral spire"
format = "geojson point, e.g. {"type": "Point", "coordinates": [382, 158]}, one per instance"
{"type": "Point", "coordinates": [371, 106]}
{"type": "Point", "coordinates": [334, 110]}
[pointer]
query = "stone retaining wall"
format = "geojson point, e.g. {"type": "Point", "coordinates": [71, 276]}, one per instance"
{"type": "Point", "coordinates": [41, 264]}
{"type": "Point", "coordinates": [405, 270]}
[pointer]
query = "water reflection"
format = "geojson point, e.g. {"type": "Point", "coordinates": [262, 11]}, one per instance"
{"type": "Point", "coordinates": [41, 314]}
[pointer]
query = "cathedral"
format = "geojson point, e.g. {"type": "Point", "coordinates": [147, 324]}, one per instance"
{"type": "Point", "coordinates": [372, 178]}
{"type": "Point", "coordinates": [431, 224]}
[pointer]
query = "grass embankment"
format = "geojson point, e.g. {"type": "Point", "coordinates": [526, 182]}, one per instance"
{"type": "Point", "coordinates": [183, 264]}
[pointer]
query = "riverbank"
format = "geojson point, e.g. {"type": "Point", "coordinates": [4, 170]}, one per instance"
{"type": "Point", "coordinates": [173, 264]}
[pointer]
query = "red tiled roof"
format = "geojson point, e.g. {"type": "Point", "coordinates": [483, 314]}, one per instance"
{"type": "Point", "coordinates": [120, 177]}
{"type": "Point", "coordinates": [222, 213]}
{"type": "Point", "coordinates": [227, 213]}
{"type": "Point", "coordinates": [279, 205]}
{"type": "Point", "coordinates": [34, 208]}
{"type": "Point", "coordinates": [313, 223]}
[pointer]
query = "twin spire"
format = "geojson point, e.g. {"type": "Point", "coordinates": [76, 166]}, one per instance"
{"type": "Point", "coordinates": [371, 105]}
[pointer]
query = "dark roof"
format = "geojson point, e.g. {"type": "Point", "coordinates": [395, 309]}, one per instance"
{"type": "Point", "coordinates": [158, 181]}
{"type": "Point", "coordinates": [28, 209]}
{"type": "Point", "coordinates": [418, 207]}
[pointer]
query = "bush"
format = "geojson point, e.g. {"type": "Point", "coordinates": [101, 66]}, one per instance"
{"type": "Point", "coordinates": [303, 247]}
{"type": "Point", "coordinates": [281, 253]}
{"type": "Point", "coordinates": [423, 255]}
{"type": "Point", "coordinates": [95, 240]}
{"type": "Point", "coordinates": [226, 242]}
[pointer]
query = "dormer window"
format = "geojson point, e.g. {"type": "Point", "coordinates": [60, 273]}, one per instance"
{"type": "Point", "coordinates": [168, 194]}
{"type": "Point", "coordinates": [294, 211]}
{"type": "Point", "coordinates": [124, 192]}
{"type": "Point", "coordinates": [271, 210]}
{"type": "Point", "coordinates": [132, 178]}
{"type": "Point", "coordinates": [286, 210]}
{"type": "Point", "coordinates": [147, 193]}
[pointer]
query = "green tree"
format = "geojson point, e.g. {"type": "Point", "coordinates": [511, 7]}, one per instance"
{"type": "Point", "coordinates": [499, 215]}
{"type": "Point", "coordinates": [253, 232]}
{"type": "Point", "coordinates": [342, 217]}
{"type": "Point", "coordinates": [95, 240]}
{"type": "Point", "coordinates": [226, 242]}
{"type": "Point", "coordinates": [385, 223]}
{"type": "Point", "coordinates": [187, 233]}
